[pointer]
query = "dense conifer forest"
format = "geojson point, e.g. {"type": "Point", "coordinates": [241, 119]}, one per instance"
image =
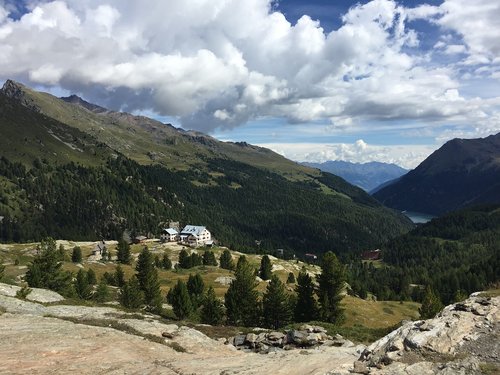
{"type": "Point", "coordinates": [456, 254]}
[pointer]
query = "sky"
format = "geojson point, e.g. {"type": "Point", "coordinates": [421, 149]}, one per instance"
{"type": "Point", "coordinates": [314, 80]}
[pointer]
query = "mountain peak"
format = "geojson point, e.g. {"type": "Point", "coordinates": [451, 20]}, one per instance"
{"type": "Point", "coordinates": [13, 89]}
{"type": "Point", "coordinates": [75, 99]}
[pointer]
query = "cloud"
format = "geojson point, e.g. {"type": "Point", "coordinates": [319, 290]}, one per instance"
{"type": "Point", "coordinates": [220, 63]}
{"type": "Point", "coordinates": [361, 152]}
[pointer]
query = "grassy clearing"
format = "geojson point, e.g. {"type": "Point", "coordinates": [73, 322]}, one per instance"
{"type": "Point", "coordinates": [378, 314]}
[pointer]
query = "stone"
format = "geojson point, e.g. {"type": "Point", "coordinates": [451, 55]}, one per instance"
{"type": "Point", "coordinates": [360, 368]}
{"type": "Point", "coordinates": [239, 340]}
{"type": "Point", "coordinates": [275, 336]}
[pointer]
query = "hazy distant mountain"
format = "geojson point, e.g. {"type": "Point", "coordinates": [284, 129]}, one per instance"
{"type": "Point", "coordinates": [367, 176]}
{"type": "Point", "coordinates": [463, 172]}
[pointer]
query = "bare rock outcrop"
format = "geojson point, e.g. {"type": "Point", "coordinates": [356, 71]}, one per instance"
{"type": "Point", "coordinates": [458, 340]}
{"type": "Point", "coordinates": [36, 294]}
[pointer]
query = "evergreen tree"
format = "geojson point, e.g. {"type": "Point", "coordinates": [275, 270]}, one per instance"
{"type": "Point", "coordinates": [209, 258]}
{"type": "Point", "coordinates": [76, 255]}
{"type": "Point", "coordinates": [91, 277]}
{"type": "Point", "coordinates": [212, 311]}
{"type": "Point", "coordinates": [276, 304]}
{"type": "Point", "coordinates": [241, 260]}
{"type": "Point", "coordinates": [102, 292]}
{"type": "Point", "coordinates": [166, 263]}
{"type": "Point", "coordinates": [291, 278]}
{"type": "Point", "coordinates": [104, 254]}
{"type": "Point", "coordinates": [178, 297]}
{"type": "Point", "coordinates": [265, 271]}
{"type": "Point", "coordinates": [61, 253]}
{"type": "Point", "coordinates": [306, 308]}
{"type": "Point", "coordinates": [241, 299]}
{"type": "Point", "coordinates": [119, 276]}
{"type": "Point", "coordinates": [147, 275]}
{"type": "Point", "coordinates": [46, 270]}
{"type": "Point", "coordinates": [82, 287]}
{"type": "Point", "coordinates": [196, 287]}
{"type": "Point", "coordinates": [226, 260]}
{"type": "Point", "coordinates": [157, 261]}
{"type": "Point", "coordinates": [431, 304]}
{"type": "Point", "coordinates": [331, 284]}
{"type": "Point", "coordinates": [131, 295]}
{"type": "Point", "coordinates": [123, 252]}
{"type": "Point", "coordinates": [195, 260]}
{"type": "Point", "coordinates": [184, 259]}
{"type": "Point", "coordinates": [459, 296]}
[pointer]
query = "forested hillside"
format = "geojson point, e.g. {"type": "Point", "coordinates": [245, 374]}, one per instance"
{"type": "Point", "coordinates": [458, 253]}
{"type": "Point", "coordinates": [67, 182]}
{"type": "Point", "coordinates": [463, 172]}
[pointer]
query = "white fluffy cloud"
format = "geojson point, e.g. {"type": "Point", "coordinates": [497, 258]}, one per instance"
{"type": "Point", "coordinates": [359, 151]}
{"type": "Point", "coordinates": [219, 63]}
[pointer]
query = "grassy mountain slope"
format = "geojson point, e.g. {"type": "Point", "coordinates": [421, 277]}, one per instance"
{"type": "Point", "coordinates": [96, 172]}
{"type": "Point", "coordinates": [461, 173]}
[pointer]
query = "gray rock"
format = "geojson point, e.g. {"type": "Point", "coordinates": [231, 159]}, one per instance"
{"type": "Point", "coordinates": [239, 340]}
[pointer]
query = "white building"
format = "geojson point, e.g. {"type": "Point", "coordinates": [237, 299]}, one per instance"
{"type": "Point", "coordinates": [169, 235]}
{"type": "Point", "coordinates": [195, 235]}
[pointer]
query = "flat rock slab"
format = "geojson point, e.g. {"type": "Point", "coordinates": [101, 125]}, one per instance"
{"type": "Point", "coordinates": [36, 294]}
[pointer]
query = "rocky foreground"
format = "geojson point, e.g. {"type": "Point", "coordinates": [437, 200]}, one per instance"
{"type": "Point", "coordinates": [43, 335]}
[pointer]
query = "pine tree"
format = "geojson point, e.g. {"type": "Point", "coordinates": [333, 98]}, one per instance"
{"type": "Point", "coordinates": [166, 263]}
{"type": "Point", "coordinates": [82, 287]}
{"type": "Point", "coordinates": [226, 260]}
{"type": "Point", "coordinates": [61, 253]}
{"type": "Point", "coordinates": [195, 260]}
{"type": "Point", "coordinates": [306, 308]}
{"type": "Point", "coordinates": [196, 287]}
{"type": "Point", "coordinates": [184, 259]}
{"type": "Point", "coordinates": [76, 255]}
{"type": "Point", "coordinates": [119, 276]}
{"type": "Point", "coordinates": [431, 304]}
{"type": "Point", "coordinates": [131, 295]}
{"type": "Point", "coordinates": [102, 292]}
{"type": "Point", "coordinates": [123, 252]}
{"type": "Point", "coordinates": [276, 304]}
{"type": "Point", "coordinates": [291, 278]}
{"type": "Point", "coordinates": [241, 299]}
{"type": "Point", "coordinates": [212, 311]}
{"type": "Point", "coordinates": [178, 297]}
{"type": "Point", "coordinates": [157, 261]}
{"type": "Point", "coordinates": [91, 277]}
{"type": "Point", "coordinates": [209, 258]}
{"type": "Point", "coordinates": [104, 254]}
{"type": "Point", "coordinates": [265, 271]}
{"type": "Point", "coordinates": [46, 270]}
{"type": "Point", "coordinates": [147, 275]}
{"type": "Point", "coordinates": [331, 284]}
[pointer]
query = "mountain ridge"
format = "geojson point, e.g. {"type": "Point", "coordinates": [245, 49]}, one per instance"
{"type": "Point", "coordinates": [463, 172]}
{"type": "Point", "coordinates": [150, 173]}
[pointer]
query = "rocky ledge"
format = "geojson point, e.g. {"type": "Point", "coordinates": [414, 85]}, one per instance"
{"type": "Point", "coordinates": [464, 338]}
{"type": "Point", "coordinates": [307, 336]}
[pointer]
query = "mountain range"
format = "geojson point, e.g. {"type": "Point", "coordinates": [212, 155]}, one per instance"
{"type": "Point", "coordinates": [367, 176]}
{"type": "Point", "coordinates": [72, 169]}
{"type": "Point", "coordinates": [463, 172]}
